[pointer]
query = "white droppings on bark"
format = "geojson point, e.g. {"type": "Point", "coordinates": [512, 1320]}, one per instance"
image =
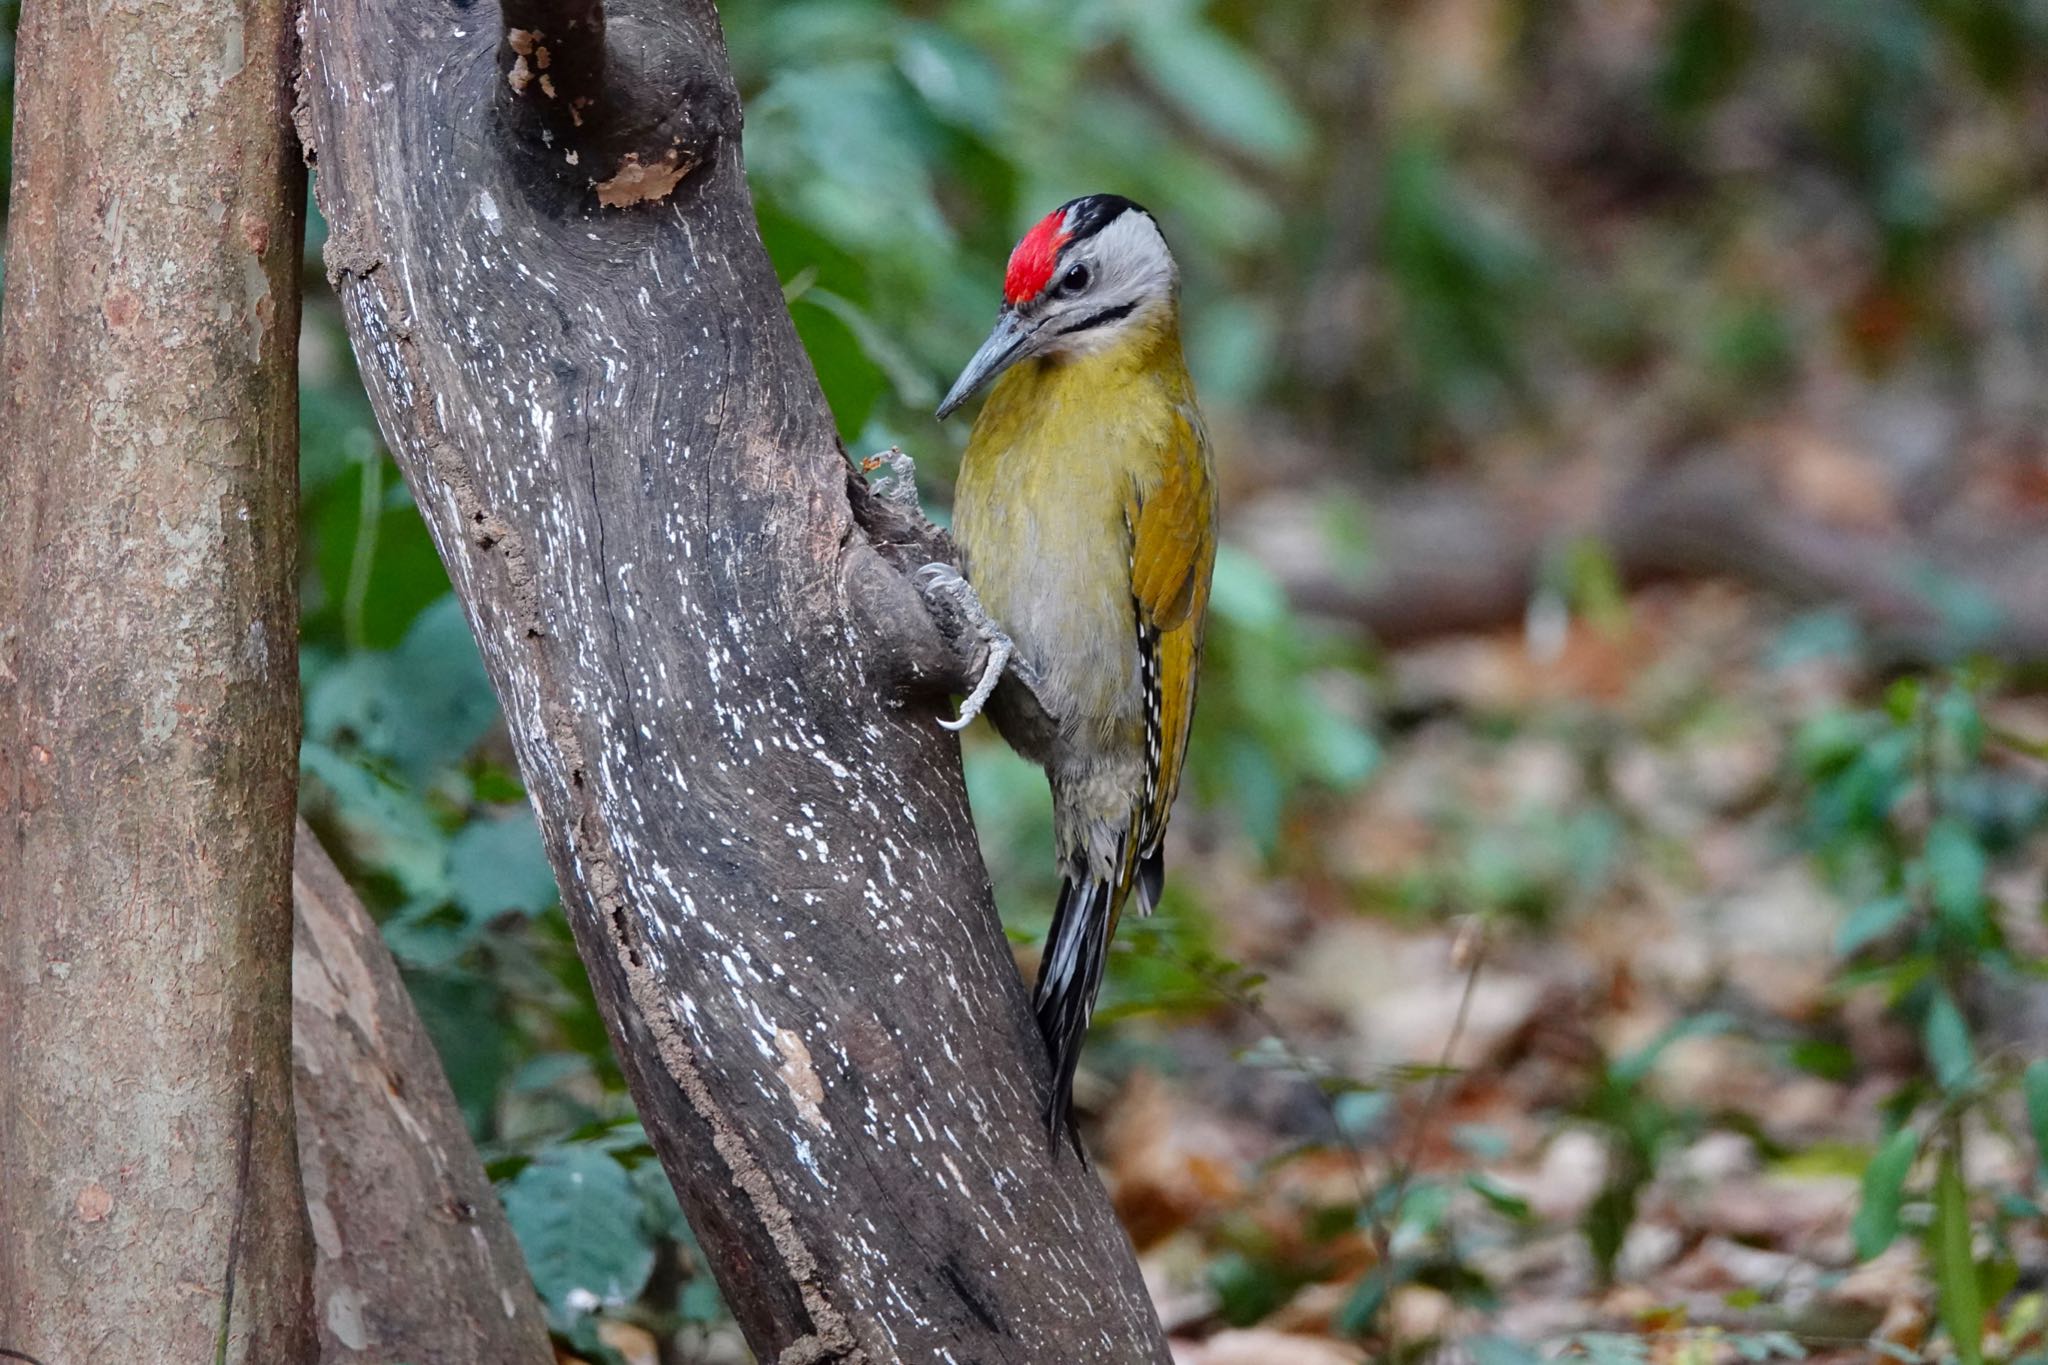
{"type": "Point", "coordinates": [801, 1078]}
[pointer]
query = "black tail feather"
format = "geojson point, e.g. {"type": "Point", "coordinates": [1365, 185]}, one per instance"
{"type": "Point", "coordinates": [1069, 976]}
{"type": "Point", "coordinates": [1151, 878]}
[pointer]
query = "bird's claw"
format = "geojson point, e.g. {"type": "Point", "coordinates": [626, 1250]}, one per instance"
{"type": "Point", "coordinates": [899, 481]}
{"type": "Point", "coordinates": [976, 637]}
{"type": "Point", "coordinates": [999, 651]}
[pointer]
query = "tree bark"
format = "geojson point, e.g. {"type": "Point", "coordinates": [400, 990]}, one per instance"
{"type": "Point", "coordinates": [712, 673]}
{"type": "Point", "coordinates": [415, 1260]}
{"type": "Point", "coordinates": [149, 689]}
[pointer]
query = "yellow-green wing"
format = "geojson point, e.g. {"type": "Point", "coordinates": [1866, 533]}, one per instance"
{"type": "Point", "coordinates": [1173, 550]}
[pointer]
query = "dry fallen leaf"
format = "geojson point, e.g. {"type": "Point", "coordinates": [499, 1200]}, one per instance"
{"type": "Point", "coordinates": [1255, 1346]}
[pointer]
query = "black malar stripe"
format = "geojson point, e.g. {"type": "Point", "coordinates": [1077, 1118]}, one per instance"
{"type": "Point", "coordinates": [1122, 310]}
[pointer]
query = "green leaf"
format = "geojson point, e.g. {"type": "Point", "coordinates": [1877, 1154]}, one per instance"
{"type": "Point", "coordinates": [701, 1302]}
{"type": "Point", "coordinates": [1946, 1037]}
{"type": "Point", "coordinates": [1884, 1193]}
{"type": "Point", "coordinates": [1870, 922]}
{"type": "Point", "coordinates": [1955, 1269]}
{"type": "Point", "coordinates": [912, 384]}
{"type": "Point", "coordinates": [1631, 1069]}
{"type": "Point", "coordinates": [1767, 1346]}
{"type": "Point", "coordinates": [2035, 1083]}
{"type": "Point", "coordinates": [1360, 1113]}
{"type": "Point", "coordinates": [1245, 593]}
{"type": "Point", "coordinates": [1220, 87]}
{"type": "Point", "coordinates": [660, 1214]}
{"type": "Point", "coordinates": [496, 865]}
{"type": "Point", "coordinates": [1828, 1060]}
{"type": "Point", "coordinates": [1499, 1351]}
{"type": "Point", "coordinates": [1355, 1318]}
{"type": "Point", "coordinates": [421, 706]}
{"type": "Point", "coordinates": [850, 378]}
{"type": "Point", "coordinates": [1482, 1141]}
{"type": "Point", "coordinates": [464, 1015]}
{"type": "Point", "coordinates": [1500, 1198]}
{"type": "Point", "coordinates": [386, 823]}
{"type": "Point", "coordinates": [1612, 1348]}
{"type": "Point", "coordinates": [1956, 868]}
{"type": "Point", "coordinates": [578, 1219]}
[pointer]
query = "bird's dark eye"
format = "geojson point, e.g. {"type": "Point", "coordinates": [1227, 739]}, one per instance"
{"type": "Point", "coordinates": [1074, 281]}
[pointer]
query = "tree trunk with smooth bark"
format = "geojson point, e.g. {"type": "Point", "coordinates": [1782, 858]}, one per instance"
{"type": "Point", "coordinates": [149, 1192]}
{"type": "Point", "coordinates": [721, 684]}
{"type": "Point", "coordinates": [415, 1261]}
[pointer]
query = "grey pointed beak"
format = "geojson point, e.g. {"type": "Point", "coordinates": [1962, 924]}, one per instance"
{"type": "Point", "coordinates": [1009, 343]}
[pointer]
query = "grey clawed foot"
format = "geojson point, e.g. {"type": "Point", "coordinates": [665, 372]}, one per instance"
{"type": "Point", "coordinates": [974, 635]}
{"type": "Point", "coordinates": [897, 479]}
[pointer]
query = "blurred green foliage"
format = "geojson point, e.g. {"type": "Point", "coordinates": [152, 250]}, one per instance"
{"type": "Point", "coordinates": [1912, 811]}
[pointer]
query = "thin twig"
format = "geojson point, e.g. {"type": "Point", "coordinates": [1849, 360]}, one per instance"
{"type": "Point", "coordinates": [1474, 933]}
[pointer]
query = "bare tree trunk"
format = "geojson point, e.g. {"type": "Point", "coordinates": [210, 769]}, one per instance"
{"type": "Point", "coordinates": [149, 689]}
{"type": "Point", "coordinates": [415, 1259]}
{"type": "Point", "coordinates": [579, 353]}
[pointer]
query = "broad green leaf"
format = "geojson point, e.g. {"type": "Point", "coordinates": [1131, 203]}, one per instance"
{"type": "Point", "coordinates": [1499, 1351]}
{"type": "Point", "coordinates": [462, 1012]}
{"type": "Point", "coordinates": [579, 1221]}
{"type": "Point", "coordinates": [1956, 868]}
{"type": "Point", "coordinates": [1245, 593]}
{"type": "Point", "coordinates": [701, 1302]}
{"type": "Point", "coordinates": [1220, 87]}
{"type": "Point", "coordinates": [1959, 715]}
{"type": "Point", "coordinates": [2035, 1083]}
{"type": "Point", "coordinates": [1360, 1113]}
{"type": "Point", "coordinates": [1947, 1038]}
{"type": "Point", "coordinates": [498, 864]}
{"type": "Point", "coordinates": [957, 79]}
{"type": "Point", "coordinates": [851, 380]}
{"type": "Point", "coordinates": [1870, 922]}
{"type": "Point", "coordinates": [909, 379]}
{"type": "Point", "coordinates": [660, 1214]}
{"type": "Point", "coordinates": [1884, 1193]}
{"type": "Point", "coordinates": [1955, 1267]}
{"type": "Point", "coordinates": [386, 824]}
{"type": "Point", "coordinates": [1767, 1346]}
{"type": "Point", "coordinates": [1355, 1318]}
{"type": "Point", "coordinates": [421, 706]}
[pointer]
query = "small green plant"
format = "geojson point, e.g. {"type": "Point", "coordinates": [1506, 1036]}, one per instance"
{"type": "Point", "coordinates": [1912, 808]}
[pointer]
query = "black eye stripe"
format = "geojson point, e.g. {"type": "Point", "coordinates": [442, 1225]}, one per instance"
{"type": "Point", "coordinates": [1122, 310]}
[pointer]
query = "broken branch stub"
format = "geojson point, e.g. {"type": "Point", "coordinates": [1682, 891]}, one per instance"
{"type": "Point", "coordinates": [613, 108]}
{"type": "Point", "coordinates": [611, 429]}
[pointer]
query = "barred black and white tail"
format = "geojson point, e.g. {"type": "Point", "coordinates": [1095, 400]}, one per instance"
{"type": "Point", "coordinates": [1069, 975]}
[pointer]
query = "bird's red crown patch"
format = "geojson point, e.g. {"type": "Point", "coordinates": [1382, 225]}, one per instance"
{"type": "Point", "coordinates": [1032, 262]}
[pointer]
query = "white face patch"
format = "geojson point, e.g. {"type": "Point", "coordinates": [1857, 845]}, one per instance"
{"type": "Point", "coordinates": [1131, 279]}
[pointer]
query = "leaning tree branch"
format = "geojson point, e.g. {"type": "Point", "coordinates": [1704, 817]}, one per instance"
{"type": "Point", "coordinates": [716, 680]}
{"type": "Point", "coordinates": [414, 1258]}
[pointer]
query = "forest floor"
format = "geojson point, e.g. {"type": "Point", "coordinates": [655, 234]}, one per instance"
{"type": "Point", "coordinates": [1556, 1039]}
